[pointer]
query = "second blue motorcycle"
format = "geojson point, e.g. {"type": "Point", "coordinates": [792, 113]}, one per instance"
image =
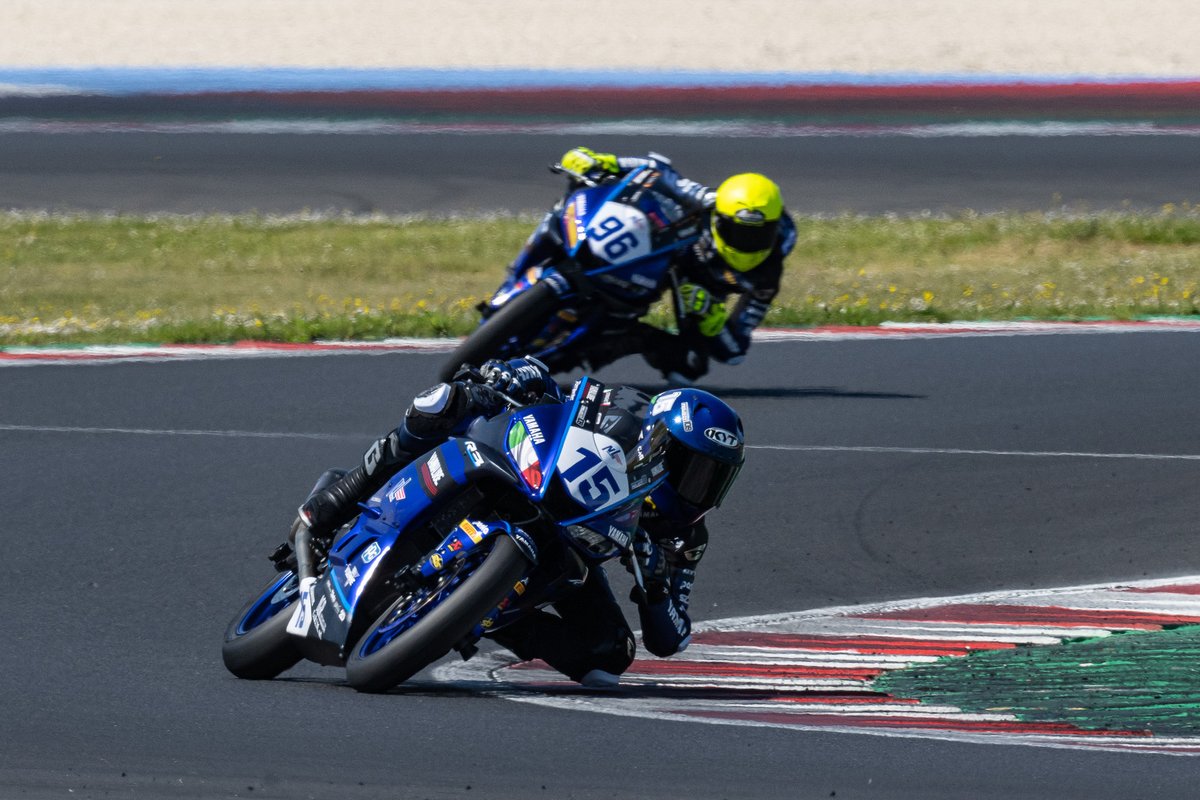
{"type": "Point", "coordinates": [593, 268]}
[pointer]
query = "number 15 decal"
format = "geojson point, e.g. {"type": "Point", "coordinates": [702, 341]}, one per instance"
{"type": "Point", "coordinates": [593, 479]}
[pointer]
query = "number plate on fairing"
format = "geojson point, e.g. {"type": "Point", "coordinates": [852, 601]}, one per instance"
{"type": "Point", "coordinates": [619, 233]}
{"type": "Point", "coordinates": [593, 470]}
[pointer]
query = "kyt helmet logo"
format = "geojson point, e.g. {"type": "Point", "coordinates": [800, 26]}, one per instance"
{"type": "Point", "coordinates": [721, 437]}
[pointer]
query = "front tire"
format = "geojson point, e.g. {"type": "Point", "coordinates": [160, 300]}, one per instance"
{"type": "Point", "coordinates": [521, 317]}
{"type": "Point", "coordinates": [373, 668]}
{"type": "Point", "coordinates": [257, 646]}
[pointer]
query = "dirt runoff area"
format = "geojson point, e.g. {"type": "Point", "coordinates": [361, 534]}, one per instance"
{"type": "Point", "coordinates": [1002, 37]}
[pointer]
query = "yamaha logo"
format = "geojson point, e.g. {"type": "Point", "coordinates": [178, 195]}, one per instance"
{"type": "Point", "coordinates": [722, 437]}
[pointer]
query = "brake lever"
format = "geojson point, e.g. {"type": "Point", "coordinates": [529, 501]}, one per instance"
{"type": "Point", "coordinates": [639, 583]}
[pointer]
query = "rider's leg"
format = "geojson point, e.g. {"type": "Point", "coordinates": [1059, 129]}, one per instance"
{"type": "Point", "coordinates": [430, 418]}
{"type": "Point", "coordinates": [681, 359]}
{"type": "Point", "coordinates": [589, 642]}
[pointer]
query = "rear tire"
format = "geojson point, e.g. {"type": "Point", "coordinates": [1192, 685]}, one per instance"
{"type": "Point", "coordinates": [265, 649]}
{"type": "Point", "coordinates": [432, 636]}
{"type": "Point", "coordinates": [521, 317]}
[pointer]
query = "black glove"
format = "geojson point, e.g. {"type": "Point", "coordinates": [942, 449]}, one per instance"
{"type": "Point", "coordinates": [523, 379]}
{"type": "Point", "coordinates": [653, 566]}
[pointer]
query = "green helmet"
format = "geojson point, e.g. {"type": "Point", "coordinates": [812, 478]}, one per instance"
{"type": "Point", "coordinates": [745, 220]}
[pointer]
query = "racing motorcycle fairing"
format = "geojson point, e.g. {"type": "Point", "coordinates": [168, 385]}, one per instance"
{"type": "Point", "coordinates": [422, 531]}
{"type": "Point", "coordinates": [606, 251]}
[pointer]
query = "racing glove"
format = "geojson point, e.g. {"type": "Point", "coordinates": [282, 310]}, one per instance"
{"type": "Point", "coordinates": [523, 379]}
{"type": "Point", "coordinates": [710, 316]}
{"type": "Point", "coordinates": [582, 160]}
{"type": "Point", "coordinates": [653, 566]}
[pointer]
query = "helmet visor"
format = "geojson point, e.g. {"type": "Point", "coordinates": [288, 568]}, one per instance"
{"type": "Point", "coordinates": [746, 237]}
{"type": "Point", "coordinates": [698, 479]}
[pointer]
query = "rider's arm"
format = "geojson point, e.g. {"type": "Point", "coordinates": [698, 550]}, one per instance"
{"type": "Point", "coordinates": [666, 626]}
{"type": "Point", "coordinates": [692, 193]}
{"type": "Point", "coordinates": [584, 160]}
{"type": "Point", "coordinates": [449, 408]}
{"type": "Point", "coordinates": [730, 344]}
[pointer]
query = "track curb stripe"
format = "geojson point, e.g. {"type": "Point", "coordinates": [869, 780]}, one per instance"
{"type": "Point", "coordinates": [834, 669]}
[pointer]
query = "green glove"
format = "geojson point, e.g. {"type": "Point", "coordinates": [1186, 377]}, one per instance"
{"type": "Point", "coordinates": [582, 160]}
{"type": "Point", "coordinates": [697, 302]}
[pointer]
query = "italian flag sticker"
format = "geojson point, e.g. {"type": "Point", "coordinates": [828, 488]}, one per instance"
{"type": "Point", "coordinates": [520, 448]}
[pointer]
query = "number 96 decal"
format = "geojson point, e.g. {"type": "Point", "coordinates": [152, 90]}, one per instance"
{"type": "Point", "coordinates": [619, 234]}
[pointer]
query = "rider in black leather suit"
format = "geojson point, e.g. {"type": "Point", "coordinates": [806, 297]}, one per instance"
{"type": "Point", "coordinates": [744, 240]}
{"type": "Point", "coordinates": [589, 639]}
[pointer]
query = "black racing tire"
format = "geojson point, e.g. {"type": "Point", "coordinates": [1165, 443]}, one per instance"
{"type": "Point", "coordinates": [432, 636]}
{"type": "Point", "coordinates": [264, 651]}
{"type": "Point", "coordinates": [522, 316]}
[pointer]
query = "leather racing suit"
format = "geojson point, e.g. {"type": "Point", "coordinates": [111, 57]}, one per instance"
{"type": "Point", "coordinates": [686, 355]}
{"type": "Point", "coordinates": [590, 633]}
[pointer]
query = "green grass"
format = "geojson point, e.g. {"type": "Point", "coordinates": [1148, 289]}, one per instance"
{"type": "Point", "coordinates": [110, 279]}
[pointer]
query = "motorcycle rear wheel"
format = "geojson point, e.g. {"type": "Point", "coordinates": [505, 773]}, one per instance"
{"type": "Point", "coordinates": [257, 646]}
{"type": "Point", "coordinates": [439, 629]}
{"type": "Point", "coordinates": [521, 317]}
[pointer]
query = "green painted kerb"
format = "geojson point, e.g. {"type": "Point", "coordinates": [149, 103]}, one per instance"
{"type": "Point", "coordinates": [1140, 681]}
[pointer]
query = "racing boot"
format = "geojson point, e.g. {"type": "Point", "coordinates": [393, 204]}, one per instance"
{"type": "Point", "coordinates": [680, 364]}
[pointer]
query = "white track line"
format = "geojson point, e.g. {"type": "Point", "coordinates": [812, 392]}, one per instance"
{"type": "Point", "coordinates": [954, 451]}
{"type": "Point", "coordinates": [176, 432]}
{"type": "Point", "coordinates": [948, 451]}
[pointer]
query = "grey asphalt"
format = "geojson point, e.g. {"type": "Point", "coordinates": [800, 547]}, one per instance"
{"type": "Point", "coordinates": [457, 172]}
{"type": "Point", "coordinates": [127, 553]}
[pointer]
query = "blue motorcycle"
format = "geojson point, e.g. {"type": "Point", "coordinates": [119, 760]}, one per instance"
{"type": "Point", "coordinates": [460, 543]}
{"type": "Point", "coordinates": [593, 268]}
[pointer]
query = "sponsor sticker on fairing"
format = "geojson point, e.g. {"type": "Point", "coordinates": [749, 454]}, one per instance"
{"type": "Point", "coordinates": [435, 469]}
{"type": "Point", "coordinates": [319, 616]}
{"type": "Point", "coordinates": [397, 492]}
{"type": "Point", "coordinates": [520, 449]}
{"type": "Point", "coordinates": [302, 616]}
{"type": "Point", "coordinates": [433, 474]}
{"type": "Point", "coordinates": [663, 402]}
{"type": "Point", "coordinates": [467, 527]}
{"type": "Point", "coordinates": [535, 430]}
{"type": "Point", "coordinates": [620, 537]}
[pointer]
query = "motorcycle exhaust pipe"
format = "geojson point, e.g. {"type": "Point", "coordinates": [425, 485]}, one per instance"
{"type": "Point", "coordinates": [305, 569]}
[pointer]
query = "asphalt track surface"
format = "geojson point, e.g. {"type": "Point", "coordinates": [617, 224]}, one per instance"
{"type": "Point", "coordinates": [442, 173]}
{"type": "Point", "coordinates": [128, 552]}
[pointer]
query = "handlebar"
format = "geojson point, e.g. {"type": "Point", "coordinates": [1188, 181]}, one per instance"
{"type": "Point", "coordinates": [559, 169]}
{"type": "Point", "coordinates": [472, 374]}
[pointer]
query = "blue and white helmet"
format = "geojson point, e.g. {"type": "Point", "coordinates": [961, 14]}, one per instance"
{"type": "Point", "coordinates": [700, 439]}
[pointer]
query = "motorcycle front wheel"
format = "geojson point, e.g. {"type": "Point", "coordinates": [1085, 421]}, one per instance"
{"type": "Point", "coordinates": [522, 317]}
{"type": "Point", "coordinates": [421, 627]}
{"type": "Point", "coordinates": [257, 645]}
